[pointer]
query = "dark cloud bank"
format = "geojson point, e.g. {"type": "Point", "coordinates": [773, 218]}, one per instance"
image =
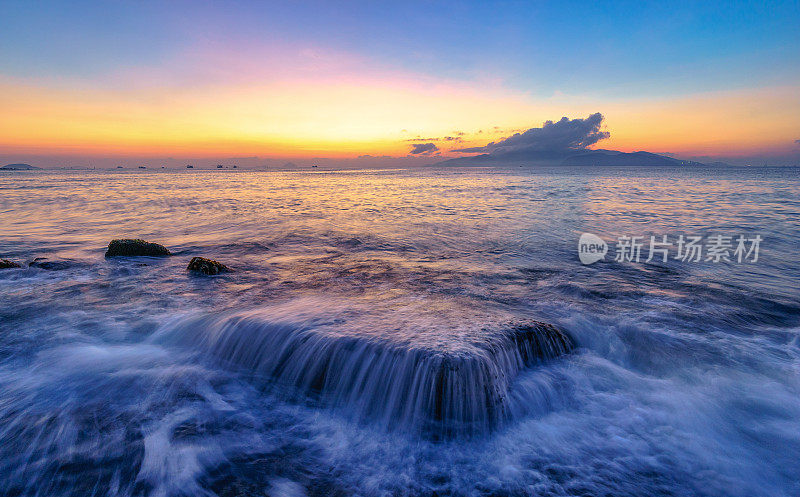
{"type": "Point", "coordinates": [423, 148]}
{"type": "Point", "coordinates": [563, 142]}
{"type": "Point", "coordinates": [566, 134]}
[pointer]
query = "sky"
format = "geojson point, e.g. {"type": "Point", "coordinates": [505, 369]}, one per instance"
{"type": "Point", "coordinates": [143, 81]}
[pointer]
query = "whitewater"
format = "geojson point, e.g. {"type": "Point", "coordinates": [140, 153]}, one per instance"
{"type": "Point", "coordinates": [410, 332]}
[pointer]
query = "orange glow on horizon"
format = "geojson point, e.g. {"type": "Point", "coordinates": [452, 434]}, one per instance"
{"type": "Point", "coordinates": [346, 118]}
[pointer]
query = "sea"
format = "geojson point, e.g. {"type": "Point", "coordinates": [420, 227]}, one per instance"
{"type": "Point", "coordinates": [409, 332]}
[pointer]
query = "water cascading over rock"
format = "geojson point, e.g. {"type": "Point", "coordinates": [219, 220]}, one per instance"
{"type": "Point", "coordinates": [451, 392]}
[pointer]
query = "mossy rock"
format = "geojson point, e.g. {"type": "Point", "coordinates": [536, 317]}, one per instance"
{"type": "Point", "coordinates": [207, 266]}
{"type": "Point", "coordinates": [136, 248]}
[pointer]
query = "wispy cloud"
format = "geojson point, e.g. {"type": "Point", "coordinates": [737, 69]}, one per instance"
{"type": "Point", "coordinates": [438, 139]}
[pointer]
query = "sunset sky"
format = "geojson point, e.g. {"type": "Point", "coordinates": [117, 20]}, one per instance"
{"type": "Point", "coordinates": [291, 80]}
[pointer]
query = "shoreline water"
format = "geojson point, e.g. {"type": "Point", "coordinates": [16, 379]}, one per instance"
{"type": "Point", "coordinates": [684, 380]}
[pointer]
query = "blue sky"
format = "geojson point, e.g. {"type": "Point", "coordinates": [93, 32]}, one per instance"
{"type": "Point", "coordinates": [606, 47]}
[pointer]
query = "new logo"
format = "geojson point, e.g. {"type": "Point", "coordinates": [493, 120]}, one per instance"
{"type": "Point", "coordinates": [591, 248]}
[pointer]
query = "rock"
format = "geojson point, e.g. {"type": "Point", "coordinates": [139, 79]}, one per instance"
{"type": "Point", "coordinates": [135, 247]}
{"type": "Point", "coordinates": [536, 341]}
{"type": "Point", "coordinates": [430, 389]}
{"type": "Point", "coordinates": [207, 266]}
{"type": "Point", "coordinates": [6, 264]}
{"type": "Point", "coordinates": [47, 264]}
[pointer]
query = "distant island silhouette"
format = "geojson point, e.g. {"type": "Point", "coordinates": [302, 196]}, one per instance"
{"type": "Point", "coordinates": [19, 167]}
{"type": "Point", "coordinates": [584, 157]}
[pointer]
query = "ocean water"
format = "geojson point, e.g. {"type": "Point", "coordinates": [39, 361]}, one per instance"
{"type": "Point", "coordinates": [372, 337]}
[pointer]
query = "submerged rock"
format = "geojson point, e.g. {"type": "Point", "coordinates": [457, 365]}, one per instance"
{"type": "Point", "coordinates": [6, 264]}
{"type": "Point", "coordinates": [536, 341]}
{"type": "Point", "coordinates": [135, 247]}
{"type": "Point", "coordinates": [47, 264]}
{"type": "Point", "coordinates": [435, 392]}
{"type": "Point", "coordinates": [207, 266]}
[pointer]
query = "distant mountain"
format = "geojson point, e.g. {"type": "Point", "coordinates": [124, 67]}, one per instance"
{"type": "Point", "coordinates": [584, 157]}
{"type": "Point", "coordinates": [615, 158]}
{"type": "Point", "coordinates": [18, 167]}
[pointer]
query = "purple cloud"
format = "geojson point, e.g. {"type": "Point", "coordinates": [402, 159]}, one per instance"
{"type": "Point", "coordinates": [423, 148]}
{"type": "Point", "coordinates": [563, 135]}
